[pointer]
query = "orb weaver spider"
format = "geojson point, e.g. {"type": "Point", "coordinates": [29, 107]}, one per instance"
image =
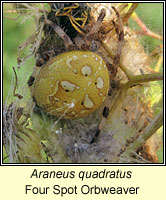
{"type": "Point", "coordinates": [54, 80]}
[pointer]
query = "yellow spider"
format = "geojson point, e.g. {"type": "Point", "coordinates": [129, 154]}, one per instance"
{"type": "Point", "coordinates": [76, 82]}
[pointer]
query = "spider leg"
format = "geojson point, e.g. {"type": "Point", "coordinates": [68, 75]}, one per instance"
{"type": "Point", "coordinates": [16, 86]}
{"type": "Point", "coordinates": [120, 34]}
{"type": "Point", "coordinates": [106, 111]}
{"type": "Point", "coordinates": [103, 121]}
{"type": "Point", "coordinates": [113, 70]}
{"type": "Point", "coordinates": [90, 36]}
{"type": "Point", "coordinates": [67, 41]}
{"type": "Point", "coordinates": [36, 69]}
{"type": "Point", "coordinates": [32, 78]}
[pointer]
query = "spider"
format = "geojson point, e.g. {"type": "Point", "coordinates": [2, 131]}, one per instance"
{"type": "Point", "coordinates": [74, 82]}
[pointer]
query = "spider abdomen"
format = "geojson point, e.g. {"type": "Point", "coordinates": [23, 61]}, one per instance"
{"type": "Point", "coordinates": [72, 84]}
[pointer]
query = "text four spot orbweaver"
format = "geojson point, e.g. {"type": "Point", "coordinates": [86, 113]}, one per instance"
{"type": "Point", "coordinates": [76, 82]}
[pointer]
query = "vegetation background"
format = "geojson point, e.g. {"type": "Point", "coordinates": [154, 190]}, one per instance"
{"type": "Point", "coordinates": [15, 33]}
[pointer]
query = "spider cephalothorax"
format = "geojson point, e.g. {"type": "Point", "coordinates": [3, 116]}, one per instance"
{"type": "Point", "coordinates": [75, 82]}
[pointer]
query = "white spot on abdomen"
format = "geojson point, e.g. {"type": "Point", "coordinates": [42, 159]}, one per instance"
{"type": "Point", "coordinates": [89, 83]}
{"type": "Point", "coordinates": [68, 62]}
{"type": "Point", "coordinates": [100, 83]}
{"type": "Point", "coordinates": [68, 86]}
{"type": "Point", "coordinates": [86, 70]}
{"type": "Point", "coordinates": [88, 103]}
{"type": "Point", "coordinates": [75, 57]}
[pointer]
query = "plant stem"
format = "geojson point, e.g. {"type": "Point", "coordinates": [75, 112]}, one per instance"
{"type": "Point", "coordinates": [138, 79]}
{"type": "Point", "coordinates": [145, 30]}
{"type": "Point", "coordinates": [148, 132]}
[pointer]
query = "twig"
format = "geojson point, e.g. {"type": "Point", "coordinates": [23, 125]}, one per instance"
{"type": "Point", "coordinates": [138, 79]}
{"type": "Point", "coordinates": [129, 13]}
{"type": "Point", "coordinates": [159, 64]}
{"type": "Point", "coordinates": [148, 132]}
{"type": "Point", "coordinates": [144, 28]}
{"type": "Point", "coordinates": [15, 86]}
